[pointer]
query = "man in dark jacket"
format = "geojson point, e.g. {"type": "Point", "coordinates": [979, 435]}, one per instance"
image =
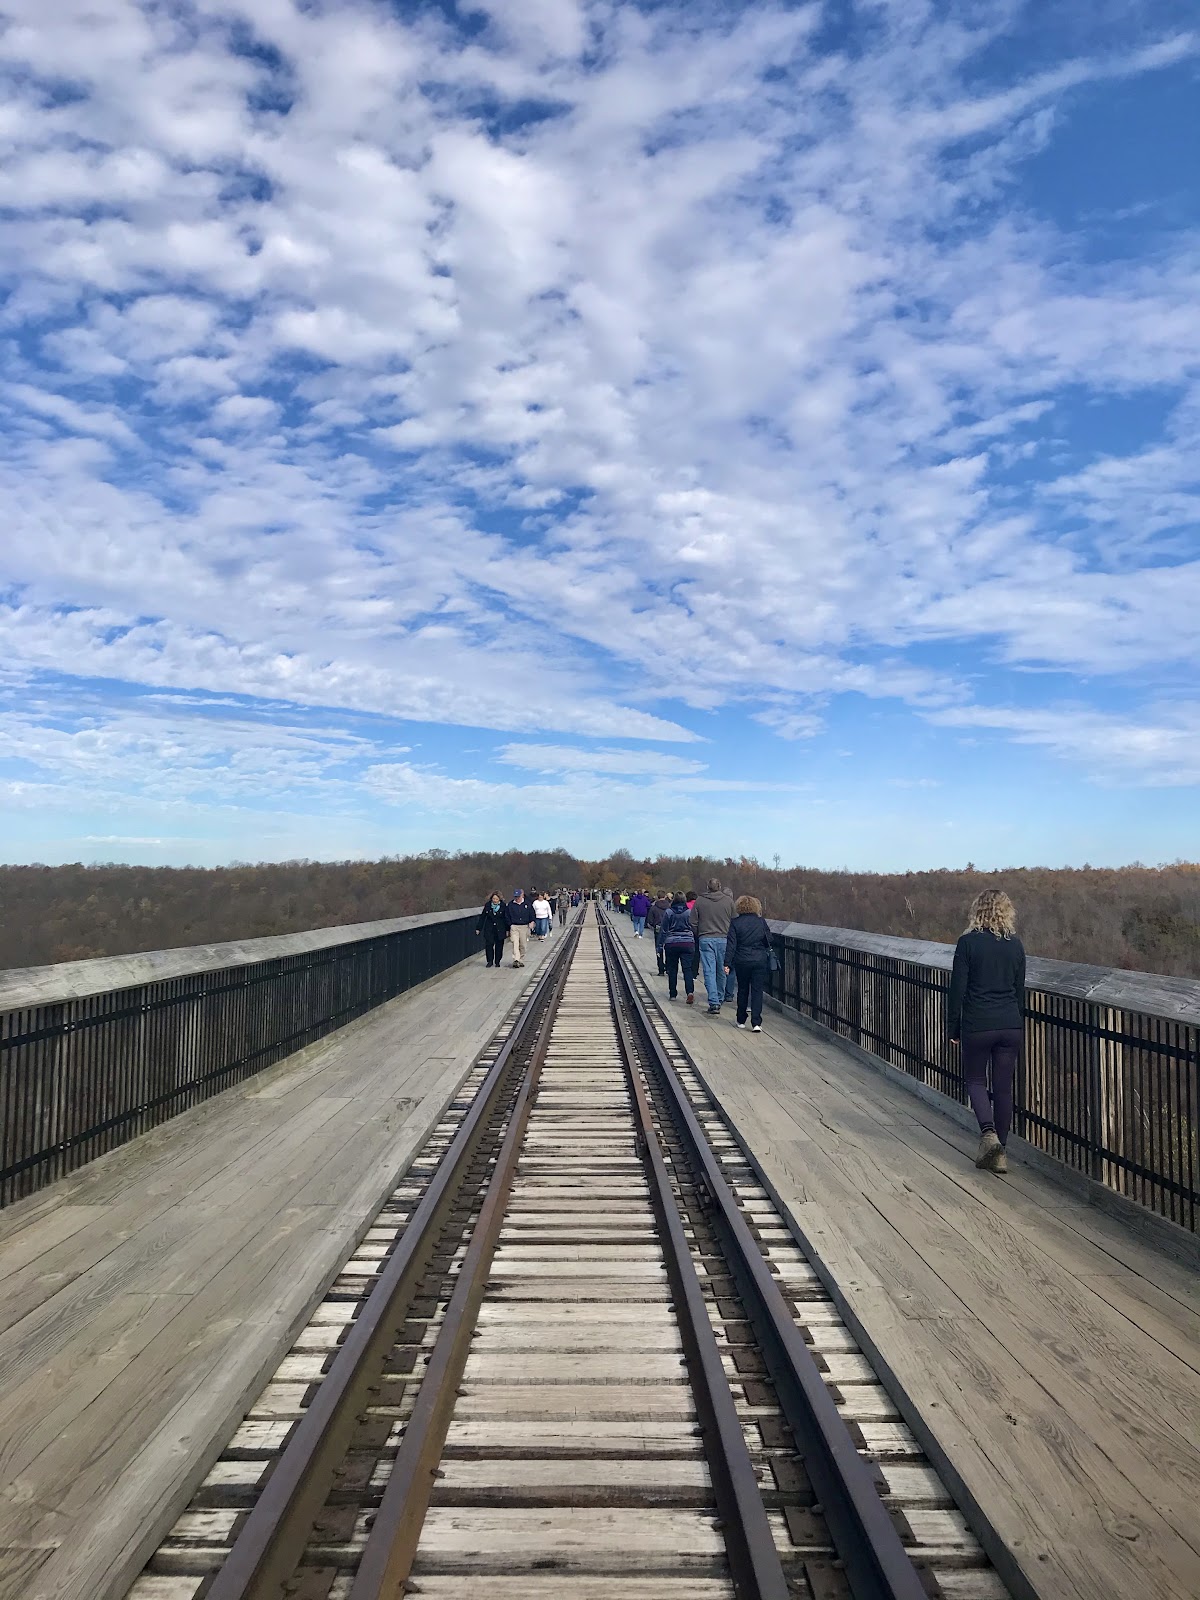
{"type": "Point", "coordinates": [658, 908]}
{"type": "Point", "coordinates": [518, 914]}
{"type": "Point", "coordinates": [711, 916]}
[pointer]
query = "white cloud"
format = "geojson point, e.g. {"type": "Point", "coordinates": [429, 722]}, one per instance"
{"type": "Point", "coordinates": [1158, 749]}
{"type": "Point", "coordinates": [554, 758]}
{"type": "Point", "coordinates": [350, 382]}
{"type": "Point", "coordinates": [790, 724]}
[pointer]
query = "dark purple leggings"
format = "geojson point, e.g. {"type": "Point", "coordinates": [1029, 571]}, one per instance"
{"type": "Point", "coordinates": [998, 1048]}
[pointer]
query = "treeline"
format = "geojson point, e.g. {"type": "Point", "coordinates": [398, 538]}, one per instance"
{"type": "Point", "coordinates": [1146, 918]}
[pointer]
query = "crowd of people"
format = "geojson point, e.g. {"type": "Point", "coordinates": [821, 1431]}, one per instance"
{"type": "Point", "coordinates": [727, 943]}
{"type": "Point", "coordinates": [522, 918]}
{"type": "Point", "coordinates": [713, 936]}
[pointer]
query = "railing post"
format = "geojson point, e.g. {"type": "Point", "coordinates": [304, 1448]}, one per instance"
{"type": "Point", "coordinates": [1096, 1096]}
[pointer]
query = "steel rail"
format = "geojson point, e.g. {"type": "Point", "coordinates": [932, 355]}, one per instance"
{"type": "Point", "coordinates": [264, 1556]}
{"type": "Point", "coordinates": [391, 1547]}
{"type": "Point", "coordinates": [754, 1563]}
{"type": "Point", "coordinates": [877, 1566]}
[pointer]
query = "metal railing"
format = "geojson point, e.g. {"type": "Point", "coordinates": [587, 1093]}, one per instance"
{"type": "Point", "coordinates": [1108, 1081]}
{"type": "Point", "coordinates": [85, 1073]}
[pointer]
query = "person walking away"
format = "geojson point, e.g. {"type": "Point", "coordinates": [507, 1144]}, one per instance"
{"type": "Point", "coordinates": [518, 916]}
{"type": "Point", "coordinates": [679, 947]}
{"type": "Point", "coordinates": [986, 1016]}
{"type": "Point", "coordinates": [748, 954]}
{"type": "Point", "coordinates": [711, 915]}
{"type": "Point", "coordinates": [658, 909]}
{"type": "Point", "coordinates": [563, 902]}
{"type": "Point", "coordinates": [493, 924]}
{"type": "Point", "coordinates": [639, 910]}
{"type": "Point", "coordinates": [541, 915]}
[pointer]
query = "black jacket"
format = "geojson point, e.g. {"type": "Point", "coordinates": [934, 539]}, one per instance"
{"type": "Point", "coordinates": [493, 918]}
{"type": "Point", "coordinates": [987, 985]}
{"type": "Point", "coordinates": [519, 912]}
{"type": "Point", "coordinates": [749, 942]}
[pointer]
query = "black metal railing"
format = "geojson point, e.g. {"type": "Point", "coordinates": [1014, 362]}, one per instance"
{"type": "Point", "coordinates": [1109, 1090]}
{"type": "Point", "coordinates": [80, 1076]}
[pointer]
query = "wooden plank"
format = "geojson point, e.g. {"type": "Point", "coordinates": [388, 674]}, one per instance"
{"type": "Point", "coordinates": [609, 1401]}
{"type": "Point", "coordinates": [628, 1472]}
{"type": "Point", "coordinates": [579, 1586]}
{"type": "Point", "coordinates": [572, 1314]}
{"type": "Point", "coordinates": [508, 1436]}
{"type": "Point", "coordinates": [574, 1539]}
{"type": "Point", "coordinates": [543, 1366]}
{"type": "Point", "coordinates": [595, 1338]}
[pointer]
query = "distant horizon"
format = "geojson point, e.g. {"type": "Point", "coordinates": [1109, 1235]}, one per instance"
{"type": "Point", "coordinates": [1136, 917]}
{"type": "Point", "coordinates": [237, 863]}
{"type": "Point", "coordinates": [771, 423]}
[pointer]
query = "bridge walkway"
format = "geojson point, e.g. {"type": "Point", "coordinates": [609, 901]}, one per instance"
{"type": "Point", "coordinates": [144, 1299]}
{"type": "Point", "coordinates": [1050, 1349]}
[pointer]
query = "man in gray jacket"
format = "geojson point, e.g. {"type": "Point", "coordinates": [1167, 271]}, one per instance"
{"type": "Point", "coordinates": [711, 916]}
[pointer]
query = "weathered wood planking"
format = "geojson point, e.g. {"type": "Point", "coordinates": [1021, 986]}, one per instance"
{"type": "Point", "coordinates": [144, 1299]}
{"type": "Point", "coordinates": [1054, 1358]}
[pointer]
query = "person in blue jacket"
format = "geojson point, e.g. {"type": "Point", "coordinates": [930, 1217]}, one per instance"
{"type": "Point", "coordinates": [679, 947]}
{"type": "Point", "coordinates": [639, 910]}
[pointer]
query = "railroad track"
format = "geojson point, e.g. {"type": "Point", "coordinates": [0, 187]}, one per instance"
{"type": "Point", "coordinates": [579, 1354]}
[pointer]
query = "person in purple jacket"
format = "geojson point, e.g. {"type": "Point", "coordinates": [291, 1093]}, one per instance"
{"type": "Point", "coordinates": [639, 910]}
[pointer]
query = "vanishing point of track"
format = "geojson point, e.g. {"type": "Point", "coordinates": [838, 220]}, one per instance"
{"type": "Point", "coordinates": [579, 1354]}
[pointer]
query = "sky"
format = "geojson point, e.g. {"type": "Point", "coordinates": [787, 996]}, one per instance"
{"type": "Point", "coordinates": [701, 428]}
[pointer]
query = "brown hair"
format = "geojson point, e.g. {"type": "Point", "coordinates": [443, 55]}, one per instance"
{"type": "Point", "coordinates": [747, 905]}
{"type": "Point", "coordinates": [993, 912]}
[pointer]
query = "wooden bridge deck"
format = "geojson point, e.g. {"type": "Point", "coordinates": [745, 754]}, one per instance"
{"type": "Point", "coordinates": [1053, 1352]}
{"type": "Point", "coordinates": [145, 1298]}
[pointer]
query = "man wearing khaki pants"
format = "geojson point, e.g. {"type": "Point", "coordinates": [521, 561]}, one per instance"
{"type": "Point", "coordinates": [518, 915]}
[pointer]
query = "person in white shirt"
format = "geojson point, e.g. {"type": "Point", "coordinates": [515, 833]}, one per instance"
{"type": "Point", "coordinates": [541, 916]}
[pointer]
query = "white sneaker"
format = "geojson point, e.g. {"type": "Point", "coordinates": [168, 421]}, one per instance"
{"type": "Point", "coordinates": [757, 1028]}
{"type": "Point", "coordinates": [741, 1024]}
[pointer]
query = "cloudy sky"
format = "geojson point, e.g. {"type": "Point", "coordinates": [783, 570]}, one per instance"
{"type": "Point", "coordinates": [750, 427]}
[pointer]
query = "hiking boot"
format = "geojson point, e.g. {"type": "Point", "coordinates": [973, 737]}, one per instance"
{"type": "Point", "coordinates": [988, 1145]}
{"type": "Point", "coordinates": [999, 1161]}
{"type": "Point", "coordinates": [691, 999]}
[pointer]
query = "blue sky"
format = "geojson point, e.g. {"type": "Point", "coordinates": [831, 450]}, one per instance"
{"type": "Point", "coordinates": [764, 428]}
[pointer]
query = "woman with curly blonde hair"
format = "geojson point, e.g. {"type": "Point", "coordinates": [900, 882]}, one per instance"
{"type": "Point", "coordinates": [748, 954]}
{"type": "Point", "coordinates": [986, 1014]}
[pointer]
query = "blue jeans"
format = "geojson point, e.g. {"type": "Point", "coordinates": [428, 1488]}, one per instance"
{"type": "Point", "coordinates": [639, 924]}
{"type": "Point", "coordinates": [543, 925]}
{"type": "Point", "coordinates": [717, 985]}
